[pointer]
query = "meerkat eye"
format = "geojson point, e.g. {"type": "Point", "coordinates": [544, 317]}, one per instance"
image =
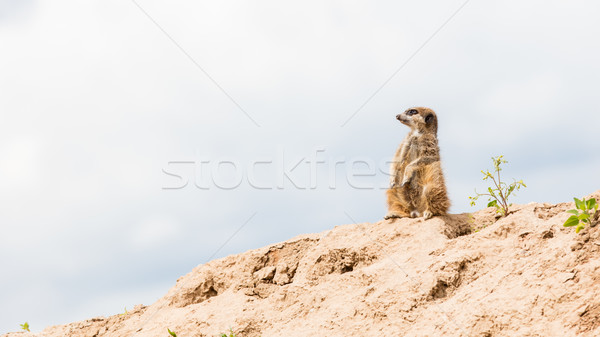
{"type": "Point", "coordinates": [411, 112]}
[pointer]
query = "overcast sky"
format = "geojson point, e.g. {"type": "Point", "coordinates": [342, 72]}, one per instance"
{"type": "Point", "coordinates": [130, 153]}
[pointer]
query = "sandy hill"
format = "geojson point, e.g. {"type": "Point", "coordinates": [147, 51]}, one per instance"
{"type": "Point", "coordinates": [459, 275]}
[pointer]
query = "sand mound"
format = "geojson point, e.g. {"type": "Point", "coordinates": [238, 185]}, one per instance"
{"type": "Point", "coordinates": [459, 275]}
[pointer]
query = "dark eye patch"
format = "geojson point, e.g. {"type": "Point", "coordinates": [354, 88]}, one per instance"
{"type": "Point", "coordinates": [412, 112]}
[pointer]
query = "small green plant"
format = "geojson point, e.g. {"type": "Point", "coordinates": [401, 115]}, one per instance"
{"type": "Point", "coordinates": [499, 193]}
{"type": "Point", "coordinates": [582, 214]}
{"type": "Point", "coordinates": [125, 313]}
{"type": "Point", "coordinates": [25, 326]}
{"type": "Point", "coordinates": [231, 334]}
{"type": "Point", "coordinates": [171, 333]}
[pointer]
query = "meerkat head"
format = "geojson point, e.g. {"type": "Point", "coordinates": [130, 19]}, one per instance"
{"type": "Point", "coordinates": [420, 119]}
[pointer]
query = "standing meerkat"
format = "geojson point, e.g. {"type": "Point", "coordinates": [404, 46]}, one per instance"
{"type": "Point", "coordinates": [417, 184]}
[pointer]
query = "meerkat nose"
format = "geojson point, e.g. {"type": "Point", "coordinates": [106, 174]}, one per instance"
{"type": "Point", "coordinates": [398, 116]}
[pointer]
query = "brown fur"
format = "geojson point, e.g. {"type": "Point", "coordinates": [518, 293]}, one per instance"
{"type": "Point", "coordinates": [417, 182]}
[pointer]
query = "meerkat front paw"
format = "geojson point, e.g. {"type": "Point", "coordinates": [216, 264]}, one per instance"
{"type": "Point", "coordinates": [408, 176]}
{"type": "Point", "coordinates": [427, 215]}
{"type": "Point", "coordinates": [406, 180]}
{"type": "Point", "coordinates": [392, 215]}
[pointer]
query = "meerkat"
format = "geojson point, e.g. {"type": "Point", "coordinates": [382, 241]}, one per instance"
{"type": "Point", "coordinates": [417, 184]}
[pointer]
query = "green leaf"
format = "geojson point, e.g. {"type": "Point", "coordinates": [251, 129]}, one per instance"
{"type": "Point", "coordinates": [583, 216]}
{"type": "Point", "coordinates": [580, 227]}
{"type": "Point", "coordinates": [571, 221]}
{"type": "Point", "coordinates": [171, 333]}
{"type": "Point", "coordinates": [579, 204]}
{"type": "Point", "coordinates": [573, 211]}
{"type": "Point", "coordinates": [591, 203]}
{"type": "Point", "coordinates": [493, 203]}
{"type": "Point", "coordinates": [510, 189]}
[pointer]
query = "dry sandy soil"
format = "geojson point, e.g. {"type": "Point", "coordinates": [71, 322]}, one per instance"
{"type": "Point", "coordinates": [459, 275]}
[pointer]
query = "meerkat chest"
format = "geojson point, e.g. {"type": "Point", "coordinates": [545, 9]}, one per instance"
{"type": "Point", "coordinates": [413, 150]}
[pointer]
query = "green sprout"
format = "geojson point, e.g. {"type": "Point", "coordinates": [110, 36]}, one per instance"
{"type": "Point", "coordinates": [582, 214]}
{"type": "Point", "coordinates": [171, 333]}
{"type": "Point", "coordinates": [499, 193]}
{"type": "Point", "coordinates": [25, 326]}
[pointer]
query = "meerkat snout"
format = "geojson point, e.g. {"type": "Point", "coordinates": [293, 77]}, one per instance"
{"type": "Point", "coordinates": [404, 118]}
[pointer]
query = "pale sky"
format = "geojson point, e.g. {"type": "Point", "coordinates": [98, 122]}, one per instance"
{"type": "Point", "coordinates": [99, 108]}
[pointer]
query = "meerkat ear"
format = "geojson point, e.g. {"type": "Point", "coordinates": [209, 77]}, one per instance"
{"type": "Point", "coordinates": [429, 118]}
